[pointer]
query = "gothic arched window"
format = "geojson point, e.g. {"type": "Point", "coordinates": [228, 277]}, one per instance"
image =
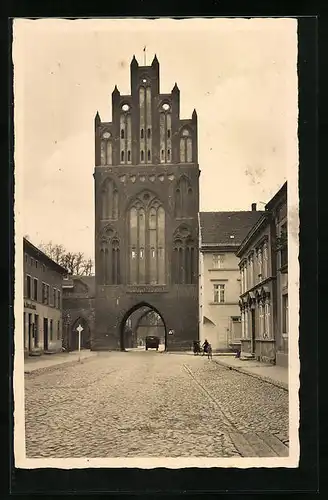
{"type": "Point", "coordinates": [185, 147]}
{"type": "Point", "coordinates": [183, 198]}
{"type": "Point", "coordinates": [110, 258]}
{"type": "Point", "coordinates": [165, 132]}
{"type": "Point", "coordinates": [115, 262]}
{"type": "Point", "coordinates": [147, 241]}
{"type": "Point", "coordinates": [145, 116]}
{"type": "Point", "coordinates": [106, 149]}
{"type": "Point", "coordinates": [125, 134]}
{"type": "Point", "coordinates": [184, 261]}
{"type": "Point", "coordinates": [109, 200]}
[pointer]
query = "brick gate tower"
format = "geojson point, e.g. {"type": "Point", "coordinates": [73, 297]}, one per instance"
{"type": "Point", "coordinates": [146, 208]}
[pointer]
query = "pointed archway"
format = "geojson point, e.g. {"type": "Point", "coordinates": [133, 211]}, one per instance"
{"type": "Point", "coordinates": [85, 335]}
{"type": "Point", "coordinates": [123, 324]}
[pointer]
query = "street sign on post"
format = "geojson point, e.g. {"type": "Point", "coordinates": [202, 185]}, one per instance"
{"type": "Point", "coordinates": [79, 330]}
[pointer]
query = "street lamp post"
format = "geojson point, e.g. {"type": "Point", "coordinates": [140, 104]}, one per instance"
{"type": "Point", "coordinates": [79, 330]}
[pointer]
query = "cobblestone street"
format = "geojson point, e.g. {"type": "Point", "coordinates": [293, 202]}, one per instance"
{"type": "Point", "coordinates": [152, 404]}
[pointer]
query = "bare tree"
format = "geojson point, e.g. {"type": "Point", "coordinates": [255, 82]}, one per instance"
{"type": "Point", "coordinates": [75, 263]}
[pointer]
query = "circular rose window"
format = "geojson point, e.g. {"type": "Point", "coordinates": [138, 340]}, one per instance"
{"type": "Point", "coordinates": [125, 107]}
{"type": "Point", "coordinates": [106, 135]}
{"type": "Point", "coordinates": [166, 106]}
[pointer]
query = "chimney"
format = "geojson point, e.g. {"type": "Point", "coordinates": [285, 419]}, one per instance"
{"type": "Point", "coordinates": [253, 207]}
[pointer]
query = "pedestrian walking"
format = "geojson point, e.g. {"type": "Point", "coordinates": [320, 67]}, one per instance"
{"type": "Point", "coordinates": [209, 351]}
{"type": "Point", "coordinates": [196, 347]}
{"type": "Point", "coordinates": [205, 347]}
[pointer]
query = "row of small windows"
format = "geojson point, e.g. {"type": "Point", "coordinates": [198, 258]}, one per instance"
{"type": "Point", "coordinates": [123, 156]}
{"type": "Point", "coordinates": [34, 263]}
{"type": "Point", "coordinates": [32, 292]}
{"type": "Point", "coordinates": [168, 154]}
{"type": "Point", "coordinates": [185, 150]}
{"type": "Point", "coordinates": [127, 156]}
{"type": "Point", "coordinates": [142, 133]}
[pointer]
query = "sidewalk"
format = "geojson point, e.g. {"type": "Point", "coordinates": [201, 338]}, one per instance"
{"type": "Point", "coordinates": [275, 375]}
{"type": "Point", "coordinates": [34, 363]}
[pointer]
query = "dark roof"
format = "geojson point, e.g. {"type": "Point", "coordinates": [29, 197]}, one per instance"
{"type": "Point", "coordinates": [216, 228]}
{"type": "Point", "coordinates": [280, 195]}
{"type": "Point", "coordinates": [34, 251]}
{"type": "Point", "coordinates": [275, 200]}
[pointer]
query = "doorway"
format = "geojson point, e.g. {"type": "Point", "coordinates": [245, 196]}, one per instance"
{"type": "Point", "coordinates": [45, 334]}
{"type": "Point", "coordinates": [253, 330]}
{"type": "Point", "coordinates": [139, 322]}
{"type": "Point", "coordinates": [36, 330]}
{"type": "Point", "coordinates": [30, 333]}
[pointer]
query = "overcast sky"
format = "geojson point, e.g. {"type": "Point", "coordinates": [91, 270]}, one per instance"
{"type": "Point", "coordinates": [239, 74]}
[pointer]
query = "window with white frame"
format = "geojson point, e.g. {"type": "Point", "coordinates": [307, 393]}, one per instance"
{"type": "Point", "coordinates": [219, 293]}
{"type": "Point", "coordinates": [245, 276]}
{"type": "Point", "coordinates": [267, 315]}
{"type": "Point", "coordinates": [261, 320]}
{"type": "Point", "coordinates": [259, 264]}
{"type": "Point", "coordinates": [265, 261]}
{"type": "Point", "coordinates": [251, 271]}
{"type": "Point", "coordinates": [217, 260]}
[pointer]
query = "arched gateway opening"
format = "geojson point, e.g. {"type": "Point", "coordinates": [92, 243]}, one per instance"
{"type": "Point", "coordinates": [141, 321]}
{"type": "Point", "coordinates": [85, 335]}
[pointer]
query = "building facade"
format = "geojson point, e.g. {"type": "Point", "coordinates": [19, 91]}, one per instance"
{"type": "Point", "coordinates": [42, 301]}
{"type": "Point", "coordinates": [264, 308]}
{"type": "Point", "coordinates": [146, 215]}
{"type": "Point", "coordinates": [278, 208]}
{"type": "Point", "coordinates": [220, 235]}
{"type": "Point", "coordinates": [78, 309]}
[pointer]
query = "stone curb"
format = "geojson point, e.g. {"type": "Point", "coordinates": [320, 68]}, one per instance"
{"type": "Point", "coordinates": [269, 380]}
{"type": "Point", "coordinates": [38, 371]}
